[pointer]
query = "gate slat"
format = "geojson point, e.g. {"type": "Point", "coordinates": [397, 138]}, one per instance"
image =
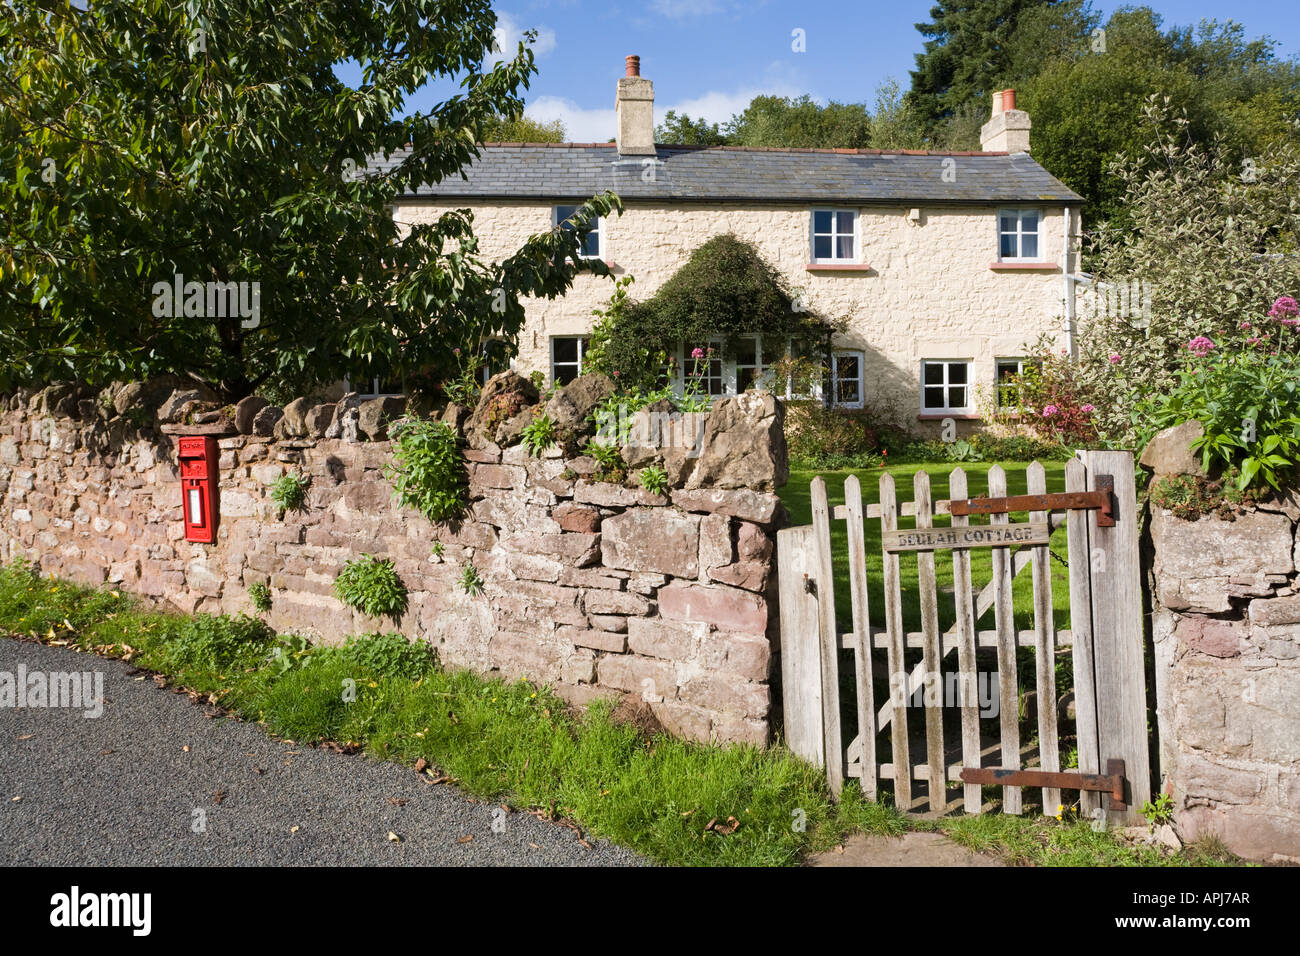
{"type": "Point", "coordinates": [897, 664]}
{"type": "Point", "coordinates": [1085, 688]}
{"type": "Point", "coordinates": [932, 657]}
{"type": "Point", "coordinates": [861, 625]}
{"type": "Point", "coordinates": [829, 640]}
{"type": "Point", "coordinates": [967, 667]}
{"type": "Point", "coordinates": [1004, 614]}
{"type": "Point", "coordinates": [1049, 756]}
{"type": "Point", "coordinates": [801, 678]}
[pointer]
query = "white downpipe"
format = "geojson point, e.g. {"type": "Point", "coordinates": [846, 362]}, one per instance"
{"type": "Point", "coordinates": [1068, 273]}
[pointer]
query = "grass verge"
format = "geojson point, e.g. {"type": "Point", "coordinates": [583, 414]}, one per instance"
{"type": "Point", "coordinates": [514, 742]}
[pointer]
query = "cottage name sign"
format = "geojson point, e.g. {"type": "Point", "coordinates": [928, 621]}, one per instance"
{"type": "Point", "coordinates": [982, 536]}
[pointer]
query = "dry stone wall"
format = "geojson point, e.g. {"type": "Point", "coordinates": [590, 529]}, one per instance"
{"type": "Point", "coordinates": [596, 588]}
{"type": "Point", "coordinates": [1226, 628]}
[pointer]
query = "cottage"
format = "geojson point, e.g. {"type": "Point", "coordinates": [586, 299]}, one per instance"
{"type": "Point", "coordinates": [942, 266]}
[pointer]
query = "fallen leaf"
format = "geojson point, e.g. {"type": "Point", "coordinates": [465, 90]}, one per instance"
{"type": "Point", "coordinates": [723, 829]}
{"type": "Point", "coordinates": [434, 781]}
{"type": "Point", "coordinates": [105, 753]}
{"type": "Point", "coordinates": [466, 839]}
{"type": "Point", "coordinates": [451, 715]}
{"type": "Point", "coordinates": [15, 799]}
{"type": "Point", "coordinates": [26, 736]}
{"type": "Point", "coordinates": [294, 829]}
{"type": "Point", "coordinates": [186, 748]}
{"type": "Point", "coordinates": [218, 797]}
{"type": "Point", "coordinates": [420, 765]}
{"type": "Point", "coordinates": [397, 801]}
{"type": "Point", "coordinates": [259, 771]}
{"type": "Point", "coordinates": [534, 845]}
{"type": "Point", "coordinates": [393, 837]}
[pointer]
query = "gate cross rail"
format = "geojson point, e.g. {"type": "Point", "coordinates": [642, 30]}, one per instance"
{"type": "Point", "coordinates": [1101, 499]}
{"type": "Point", "coordinates": [1110, 783]}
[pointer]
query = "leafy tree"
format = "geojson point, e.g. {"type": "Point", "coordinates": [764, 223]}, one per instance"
{"type": "Point", "coordinates": [681, 130]}
{"type": "Point", "coordinates": [969, 50]}
{"type": "Point", "coordinates": [1212, 248]}
{"type": "Point", "coordinates": [726, 289]}
{"type": "Point", "coordinates": [523, 129]}
{"type": "Point", "coordinates": [220, 146]}
{"type": "Point", "coordinates": [800, 122]}
{"type": "Point", "coordinates": [893, 124]}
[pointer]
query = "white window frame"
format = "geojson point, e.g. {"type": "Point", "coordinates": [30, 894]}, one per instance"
{"type": "Point", "coordinates": [998, 362]}
{"type": "Point", "coordinates": [600, 229]}
{"type": "Point", "coordinates": [812, 237]}
{"type": "Point", "coordinates": [836, 355]}
{"type": "Point", "coordinates": [582, 341]}
{"type": "Point", "coordinates": [728, 373]}
{"type": "Point", "coordinates": [947, 363]}
{"type": "Point", "coordinates": [1019, 212]}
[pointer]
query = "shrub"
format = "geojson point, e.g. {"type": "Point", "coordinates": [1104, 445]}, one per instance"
{"type": "Point", "coordinates": [654, 480]}
{"type": "Point", "coordinates": [216, 641]}
{"type": "Point", "coordinates": [260, 594]}
{"type": "Point", "coordinates": [539, 434]}
{"type": "Point", "coordinates": [609, 462]}
{"type": "Point", "coordinates": [289, 491]}
{"type": "Point", "coordinates": [1245, 391]}
{"type": "Point", "coordinates": [470, 581]}
{"type": "Point", "coordinates": [389, 655]}
{"type": "Point", "coordinates": [427, 471]}
{"type": "Point", "coordinates": [1190, 496]}
{"type": "Point", "coordinates": [372, 586]}
{"type": "Point", "coordinates": [1050, 398]}
{"type": "Point", "coordinates": [814, 431]}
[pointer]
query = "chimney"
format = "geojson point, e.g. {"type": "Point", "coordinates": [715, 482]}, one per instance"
{"type": "Point", "coordinates": [634, 106]}
{"type": "Point", "coordinates": [1007, 130]}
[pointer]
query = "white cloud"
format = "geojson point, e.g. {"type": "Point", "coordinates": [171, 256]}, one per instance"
{"type": "Point", "coordinates": [595, 125]}
{"type": "Point", "coordinates": [508, 33]}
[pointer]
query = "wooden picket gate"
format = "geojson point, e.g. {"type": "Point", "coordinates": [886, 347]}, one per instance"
{"type": "Point", "coordinates": [1105, 640]}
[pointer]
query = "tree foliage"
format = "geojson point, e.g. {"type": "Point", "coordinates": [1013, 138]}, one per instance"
{"type": "Point", "coordinates": [725, 290]}
{"type": "Point", "coordinates": [523, 129]}
{"type": "Point", "coordinates": [1212, 247]}
{"type": "Point", "coordinates": [220, 146]}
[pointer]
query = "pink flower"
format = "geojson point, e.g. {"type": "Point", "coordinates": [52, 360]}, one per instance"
{"type": "Point", "coordinates": [1049, 411]}
{"type": "Point", "coordinates": [455, 352]}
{"type": "Point", "coordinates": [1087, 409]}
{"type": "Point", "coordinates": [1114, 358]}
{"type": "Point", "coordinates": [1254, 341]}
{"type": "Point", "coordinates": [1200, 346]}
{"type": "Point", "coordinates": [616, 373]}
{"type": "Point", "coordinates": [1244, 325]}
{"type": "Point", "coordinates": [1283, 307]}
{"type": "Point", "coordinates": [1291, 321]}
{"type": "Point", "coordinates": [697, 353]}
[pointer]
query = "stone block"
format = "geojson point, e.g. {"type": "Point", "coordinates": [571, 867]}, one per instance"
{"type": "Point", "coordinates": [656, 539]}
{"type": "Point", "coordinates": [753, 506]}
{"type": "Point", "coordinates": [728, 609]}
{"type": "Point", "coordinates": [665, 639]}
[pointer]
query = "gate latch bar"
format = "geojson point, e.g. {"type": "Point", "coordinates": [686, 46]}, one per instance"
{"type": "Point", "coordinates": [1101, 499]}
{"type": "Point", "coordinates": [1110, 783]}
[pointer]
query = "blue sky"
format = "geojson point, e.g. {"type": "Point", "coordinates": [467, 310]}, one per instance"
{"type": "Point", "coordinates": [710, 57]}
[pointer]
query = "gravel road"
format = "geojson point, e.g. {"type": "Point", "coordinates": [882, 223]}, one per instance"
{"type": "Point", "coordinates": [132, 786]}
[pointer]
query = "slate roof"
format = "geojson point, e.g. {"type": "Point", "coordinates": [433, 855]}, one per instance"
{"type": "Point", "coordinates": [560, 171]}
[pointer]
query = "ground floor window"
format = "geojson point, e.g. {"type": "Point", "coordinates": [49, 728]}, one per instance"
{"type": "Point", "coordinates": [369, 385]}
{"type": "Point", "coordinates": [496, 359]}
{"type": "Point", "coordinates": [1006, 370]}
{"type": "Point", "coordinates": [945, 387]}
{"type": "Point", "coordinates": [567, 353]}
{"type": "Point", "coordinates": [846, 379]}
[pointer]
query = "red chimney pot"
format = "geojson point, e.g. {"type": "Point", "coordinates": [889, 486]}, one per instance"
{"type": "Point", "coordinates": [1008, 99]}
{"type": "Point", "coordinates": [633, 66]}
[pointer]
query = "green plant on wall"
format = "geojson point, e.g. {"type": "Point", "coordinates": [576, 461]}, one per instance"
{"type": "Point", "coordinates": [260, 594]}
{"type": "Point", "coordinates": [427, 471]}
{"type": "Point", "coordinates": [371, 585]}
{"type": "Point", "coordinates": [470, 581]}
{"type": "Point", "coordinates": [609, 462]}
{"type": "Point", "coordinates": [654, 480]}
{"type": "Point", "coordinates": [539, 434]}
{"type": "Point", "coordinates": [289, 491]}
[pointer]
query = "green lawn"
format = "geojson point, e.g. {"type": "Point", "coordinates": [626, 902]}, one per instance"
{"type": "Point", "coordinates": [796, 495]}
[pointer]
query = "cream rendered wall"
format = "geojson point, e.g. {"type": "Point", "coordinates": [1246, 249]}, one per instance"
{"type": "Point", "coordinates": [929, 294]}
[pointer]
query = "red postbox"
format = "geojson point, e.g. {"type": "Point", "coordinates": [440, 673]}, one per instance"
{"type": "Point", "coordinates": [200, 497]}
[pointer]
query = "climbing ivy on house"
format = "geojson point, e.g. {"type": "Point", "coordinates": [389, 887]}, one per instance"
{"type": "Point", "coordinates": [725, 290]}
